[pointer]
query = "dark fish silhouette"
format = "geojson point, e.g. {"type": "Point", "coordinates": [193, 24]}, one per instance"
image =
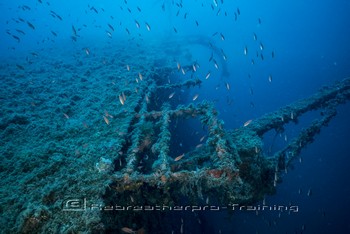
{"type": "Point", "coordinates": [31, 25]}
{"type": "Point", "coordinates": [74, 30]}
{"type": "Point", "coordinates": [17, 38]}
{"type": "Point", "coordinates": [94, 9]}
{"type": "Point", "coordinates": [55, 14]}
{"type": "Point", "coordinates": [20, 67]}
{"type": "Point", "coordinates": [20, 31]}
{"type": "Point", "coordinates": [111, 27]}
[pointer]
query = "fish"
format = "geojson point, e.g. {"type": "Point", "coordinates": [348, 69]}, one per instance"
{"type": "Point", "coordinates": [65, 115]}
{"type": "Point", "coordinates": [171, 95]}
{"type": "Point", "coordinates": [17, 38]}
{"type": "Point", "coordinates": [20, 31]}
{"type": "Point", "coordinates": [211, 56]}
{"type": "Point", "coordinates": [207, 76]}
{"type": "Point", "coordinates": [25, 7]}
{"type": "Point", "coordinates": [272, 54]}
{"type": "Point", "coordinates": [121, 100]}
{"type": "Point", "coordinates": [87, 51]}
{"type": "Point", "coordinates": [175, 30]}
{"type": "Point", "coordinates": [148, 27]}
{"type": "Point", "coordinates": [54, 14]}
{"type": "Point", "coordinates": [74, 30]}
{"type": "Point", "coordinates": [227, 86]}
{"type": "Point", "coordinates": [245, 51]}
{"type": "Point", "coordinates": [195, 97]}
{"type": "Point", "coordinates": [223, 55]}
{"type": "Point", "coordinates": [261, 46]}
{"type": "Point", "coordinates": [247, 123]}
{"type": "Point", "coordinates": [183, 71]}
{"type": "Point", "coordinates": [222, 37]}
{"type": "Point", "coordinates": [137, 24]}
{"type": "Point", "coordinates": [53, 33]}
{"type": "Point", "coordinates": [127, 67]}
{"type": "Point", "coordinates": [270, 78]}
{"type": "Point", "coordinates": [140, 76]}
{"type": "Point", "coordinates": [216, 64]}
{"type": "Point", "coordinates": [20, 67]}
{"type": "Point", "coordinates": [255, 36]}
{"type": "Point", "coordinates": [256, 150]}
{"type": "Point", "coordinates": [94, 9]}
{"type": "Point", "coordinates": [202, 138]}
{"type": "Point", "coordinates": [309, 192]}
{"type": "Point", "coordinates": [108, 115]}
{"type": "Point", "coordinates": [111, 27]}
{"type": "Point", "coordinates": [30, 25]}
{"type": "Point", "coordinates": [128, 230]}
{"type": "Point", "coordinates": [194, 67]}
{"type": "Point", "coordinates": [179, 157]}
{"type": "Point", "coordinates": [106, 120]}
{"type": "Point", "coordinates": [178, 66]}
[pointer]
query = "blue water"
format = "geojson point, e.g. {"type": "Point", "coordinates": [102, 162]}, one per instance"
{"type": "Point", "coordinates": [310, 43]}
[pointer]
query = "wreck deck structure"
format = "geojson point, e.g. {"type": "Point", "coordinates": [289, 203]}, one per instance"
{"type": "Point", "coordinates": [77, 174]}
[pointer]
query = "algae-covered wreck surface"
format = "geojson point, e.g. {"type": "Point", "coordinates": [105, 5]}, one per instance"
{"type": "Point", "coordinates": [86, 143]}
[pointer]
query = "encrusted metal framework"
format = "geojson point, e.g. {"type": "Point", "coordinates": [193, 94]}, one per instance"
{"type": "Point", "coordinates": [229, 167]}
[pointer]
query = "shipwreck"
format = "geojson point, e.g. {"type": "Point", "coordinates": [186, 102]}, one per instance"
{"type": "Point", "coordinates": [104, 174]}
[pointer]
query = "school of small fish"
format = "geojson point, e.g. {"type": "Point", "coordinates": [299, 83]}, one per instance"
{"type": "Point", "coordinates": [254, 50]}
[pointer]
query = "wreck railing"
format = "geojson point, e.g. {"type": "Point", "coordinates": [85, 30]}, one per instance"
{"type": "Point", "coordinates": [230, 165]}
